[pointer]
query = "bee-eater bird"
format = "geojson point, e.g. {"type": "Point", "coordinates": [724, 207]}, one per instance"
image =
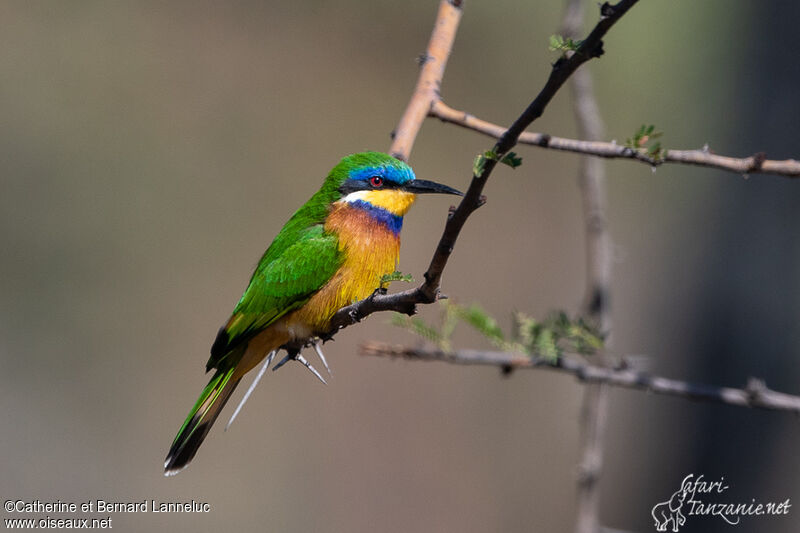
{"type": "Point", "coordinates": [332, 252]}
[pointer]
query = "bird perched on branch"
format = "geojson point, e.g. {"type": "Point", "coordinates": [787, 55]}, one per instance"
{"type": "Point", "coordinates": [335, 250]}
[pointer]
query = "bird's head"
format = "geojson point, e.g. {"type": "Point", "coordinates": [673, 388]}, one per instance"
{"type": "Point", "coordinates": [381, 181]}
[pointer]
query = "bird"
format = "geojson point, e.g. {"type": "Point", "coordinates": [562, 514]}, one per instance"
{"type": "Point", "coordinates": [335, 250]}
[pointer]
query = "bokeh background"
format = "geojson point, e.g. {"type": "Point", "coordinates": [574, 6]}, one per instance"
{"type": "Point", "coordinates": [149, 152]}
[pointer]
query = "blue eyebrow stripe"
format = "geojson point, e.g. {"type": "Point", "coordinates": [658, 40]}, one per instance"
{"type": "Point", "coordinates": [389, 173]}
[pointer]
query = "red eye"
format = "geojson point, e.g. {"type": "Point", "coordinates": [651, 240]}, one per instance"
{"type": "Point", "coordinates": [376, 181]}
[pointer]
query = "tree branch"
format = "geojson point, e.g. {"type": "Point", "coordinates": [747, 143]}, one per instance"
{"type": "Point", "coordinates": [429, 82]}
{"type": "Point", "coordinates": [589, 48]}
{"type": "Point", "coordinates": [755, 394]}
{"type": "Point", "coordinates": [754, 164]}
{"type": "Point", "coordinates": [428, 292]}
{"type": "Point", "coordinates": [596, 304]}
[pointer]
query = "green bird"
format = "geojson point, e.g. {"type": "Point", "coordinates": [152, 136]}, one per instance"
{"type": "Point", "coordinates": [332, 252]}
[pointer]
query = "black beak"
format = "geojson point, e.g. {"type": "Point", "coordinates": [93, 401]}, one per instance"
{"type": "Point", "coordinates": [427, 187]}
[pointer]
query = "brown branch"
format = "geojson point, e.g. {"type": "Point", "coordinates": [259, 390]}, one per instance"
{"type": "Point", "coordinates": [590, 47]}
{"type": "Point", "coordinates": [428, 292]}
{"type": "Point", "coordinates": [754, 164]}
{"type": "Point", "coordinates": [429, 82]}
{"type": "Point", "coordinates": [755, 394]}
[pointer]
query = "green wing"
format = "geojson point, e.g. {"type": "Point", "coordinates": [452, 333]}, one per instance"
{"type": "Point", "coordinates": [281, 283]}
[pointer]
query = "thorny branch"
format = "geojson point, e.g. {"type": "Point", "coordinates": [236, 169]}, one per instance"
{"type": "Point", "coordinates": [427, 102]}
{"type": "Point", "coordinates": [754, 164]}
{"type": "Point", "coordinates": [425, 96]}
{"type": "Point", "coordinates": [755, 394]}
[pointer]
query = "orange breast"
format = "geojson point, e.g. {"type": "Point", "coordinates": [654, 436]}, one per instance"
{"type": "Point", "coordinates": [371, 250]}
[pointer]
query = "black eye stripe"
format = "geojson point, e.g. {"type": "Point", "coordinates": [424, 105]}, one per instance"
{"type": "Point", "coordinates": [365, 184]}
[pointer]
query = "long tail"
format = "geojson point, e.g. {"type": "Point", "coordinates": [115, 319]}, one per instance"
{"type": "Point", "coordinates": [200, 420]}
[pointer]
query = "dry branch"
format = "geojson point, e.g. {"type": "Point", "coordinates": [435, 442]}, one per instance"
{"type": "Point", "coordinates": [754, 164]}
{"type": "Point", "coordinates": [433, 63]}
{"type": "Point", "coordinates": [444, 31]}
{"type": "Point", "coordinates": [755, 394]}
{"type": "Point", "coordinates": [426, 101]}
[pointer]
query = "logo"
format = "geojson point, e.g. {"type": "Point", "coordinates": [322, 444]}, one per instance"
{"type": "Point", "coordinates": [698, 497]}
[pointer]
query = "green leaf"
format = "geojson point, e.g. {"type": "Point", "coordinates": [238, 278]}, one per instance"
{"type": "Point", "coordinates": [482, 322]}
{"type": "Point", "coordinates": [561, 44]}
{"type": "Point", "coordinates": [525, 328]}
{"type": "Point", "coordinates": [655, 151]}
{"type": "Point", "coordinates": [449, 320]}
{"type": "Point", "coordinates": [546, 345]}
{"type": "Point", "coordinates": [556, 334]}
{"type": "Point", "coordinates": [556, 43]}
{"type": "Point", "coordinates": [479, 165]}
{"type": "Point", "coordinates": [418, 327]}
{"type": "Point", "coordinates": [396, 276]}
{"type": "Point", "coordinates": [643, 142]}
{"type": "Point", "coordinates": [547, 339]}
{"type": "Point", "coordinates": [511, 159]}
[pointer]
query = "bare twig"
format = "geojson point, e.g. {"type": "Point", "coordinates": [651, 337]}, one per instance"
{"type": "Point", "coordinates": [428, 292]}
{"type": "Point", "coordinates": [429, 82]}
{"type": "Point", "coordinates": [589, 48]}
{"type": "Point", "coordinates": [754, 164]}
{"type": "Point", "coordinates": [596, 307]}
{"type": "Point", "coordinates": [755, 394]}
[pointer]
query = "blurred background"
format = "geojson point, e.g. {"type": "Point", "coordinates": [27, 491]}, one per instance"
{"type": "Point", "coordinates": [150, 151]}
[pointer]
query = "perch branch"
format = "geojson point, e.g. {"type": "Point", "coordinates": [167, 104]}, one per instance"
{"type": "Point", "coordinates": [754, 164]}
{"type": "Point", "coordinates": [428, 292]}
{"type": "Point", "coordinates": [755, 394]}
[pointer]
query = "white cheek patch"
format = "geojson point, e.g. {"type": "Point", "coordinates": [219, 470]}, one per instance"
{"type": "Point", "coordinates": [355, 196]}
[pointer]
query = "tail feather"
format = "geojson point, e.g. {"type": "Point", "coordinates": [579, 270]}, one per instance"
{"type": "Point", "coordinates": [199, 422]}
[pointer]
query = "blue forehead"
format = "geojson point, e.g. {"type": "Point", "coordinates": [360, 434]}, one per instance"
{"type": "Point", "coordinates": [395, 174]}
